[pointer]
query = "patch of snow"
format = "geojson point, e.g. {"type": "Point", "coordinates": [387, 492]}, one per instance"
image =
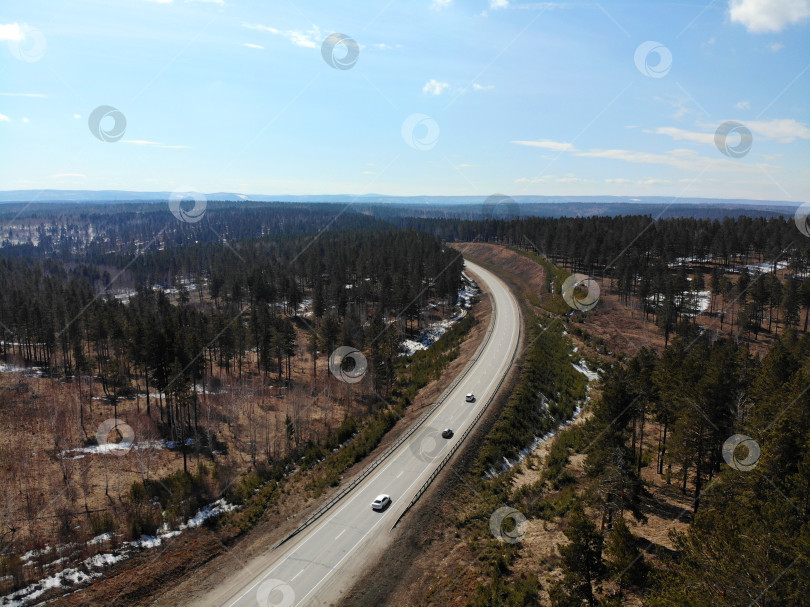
{"type": "Point", "coordinates": [695, 302]}
{"type": "Point", "coordinates": [591, 375]}
{"type": "Point", "coordinates": [433, 332]}
{"type": "Point", "coordinates": [96, 563]}
{"type": "Point", "coordinates": [104, 537]}
{"type": "Point", "coordinates": [27, 371]}
{"type": "Point", "coordinates": [80, 452]}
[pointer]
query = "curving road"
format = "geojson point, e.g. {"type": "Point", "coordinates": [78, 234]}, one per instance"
{"type": "Point", "coordinates": [320, 563]}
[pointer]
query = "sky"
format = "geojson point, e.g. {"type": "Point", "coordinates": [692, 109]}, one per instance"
{"type": "Point", "coordinates": [408, 97]}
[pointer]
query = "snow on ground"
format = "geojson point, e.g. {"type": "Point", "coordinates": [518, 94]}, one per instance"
{"type": "Point", "coordinates": [80, 452]}
{"type": "Point", "coordinates": [27, 371]}
{"type": "Point", "coordinates": [760, 268]}
{"type": "Point", "coordinates": [701, 301]}
{"type": "Point", "coordinates": [539, 440]}
{"type": "Point", "coordinates": [305, 308]}
{"type": "Point", "coordinates": [582, 368]}
{"type": "Point", "coordinates": [431, 334]}
{"type": "Point", "coordinates": [93, 566]}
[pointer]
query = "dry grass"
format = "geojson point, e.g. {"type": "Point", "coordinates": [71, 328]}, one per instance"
{"type": "Point", "coordinates": [439, 562]}
{"type": "Point", "coordinates": [199, 560]}
{"type": "Point", "coordinates": [43, 484]}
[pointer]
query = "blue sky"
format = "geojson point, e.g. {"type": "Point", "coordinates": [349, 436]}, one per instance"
{"type": "Point", "coordinates": [447, 97]}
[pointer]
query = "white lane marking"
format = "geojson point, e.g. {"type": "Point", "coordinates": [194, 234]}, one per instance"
{"type": "Point", "coordinates": [297, 574]}
{"type": "Point", "coordinates": [355, 497]}
{"type": "Point", "coordinates": [356, 545]}
{"type": "Point", "coordinates": [400, 473]}
{"type": "Point", "coordinates": [339, 534]}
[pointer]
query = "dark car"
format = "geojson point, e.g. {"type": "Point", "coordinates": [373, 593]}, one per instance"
{"type": "Point", "coordinates": [447, 433]}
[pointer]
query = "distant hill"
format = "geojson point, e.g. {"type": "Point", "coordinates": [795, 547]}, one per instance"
{"type": "Point", "coordinates": [106, 196]}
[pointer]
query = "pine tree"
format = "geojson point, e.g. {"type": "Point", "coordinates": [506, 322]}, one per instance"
{"type": "Point", "coordinates": [625, 562]}
{"type": "Point", "coordinates": [582, 562]}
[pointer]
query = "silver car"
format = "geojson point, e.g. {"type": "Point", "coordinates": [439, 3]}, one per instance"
{"type": "Point", "coordinates": [381, 502]}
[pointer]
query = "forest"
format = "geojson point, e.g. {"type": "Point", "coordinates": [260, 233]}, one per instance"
{"type": "Point", "coordinates": [213, 340]}
{"type": "Point", "coordinates": [685, 483]}
{"type": "Point", "coordinates": [214, 353]}
{"type": "Point", "coordinates": [748, 542]}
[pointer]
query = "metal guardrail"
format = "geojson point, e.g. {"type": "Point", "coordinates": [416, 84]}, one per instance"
{"type": "Point", "coordinates": [466, 433]}
{"type": "Point", "coordinates": [414, 427]}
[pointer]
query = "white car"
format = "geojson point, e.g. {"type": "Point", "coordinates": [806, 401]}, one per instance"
{"type": "Point", "coordinates": [471, 398]}
{"type": "Point", "coordinates": [381, 502]}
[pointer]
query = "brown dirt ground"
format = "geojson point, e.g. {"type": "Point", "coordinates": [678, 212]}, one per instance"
{"type": "Point", "coordinates": [437, 562]}
{"type": "Point", "coordinates": [622, 325]}
{"type": "Point", "coordinates": [190, 565]}
{"type": "Point", "coordinates": [37, 482]}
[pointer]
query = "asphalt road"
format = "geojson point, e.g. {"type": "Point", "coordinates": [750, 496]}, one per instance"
{"type": "Point", "coordinates": [304, 571]}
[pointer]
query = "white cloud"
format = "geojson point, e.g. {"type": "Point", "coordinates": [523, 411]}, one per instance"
{"type": "Point", "coordinates": [688, 160]}
{"type": "Point", "coordinates": [251, 45]}
{"type": "Point", "coordinates": [496, 4]}
{"type": "Point", "coordinates": [482, 87]}
{"type": "Point", "coordinates": [157, 144]}
{"type": "Point", "coordinates": [308, 39]}
{"type": "Point", "coordinates": [65, 175]}
{"type": "Point", "coordinates": [547, 144]}
{"type": "Point", "coordinates": [220, 2]}
{"type": "Point", "coordinates": [635, 157]}
{"type": "Point", "coordinates": [543, 179]}
{"type": "Point", "coordinates": [11, 31]}
{"type": "Point", "coordinates": [25, 120]}
{"type": "Point", "coordinates": [382, 46]}
{"type": "Point", "coordinates": [775, 47]}
{"type": "Point", "coordinates": [743, 105]}
{"type": "Point", "coordinates": [619, 180]}
{"type": "Point", "coordinates": [768, 15]}
{"type": "Point", "coordinates": [438, 5]}
{"type": "Point", "coordinates": [783, 130]}
{"type": "Point", "coordinates": [77, 116]}
{"type": "Point", "coordinates": [4, 118]}
{"type": "Point", "coordinates": [22, 95]}
{"type": "Point", "coordinates": [684, 135]}
{"type": "Point", "coordinates": [434, 87]}
{"type": "Point", "coordinates": [681, 158]}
